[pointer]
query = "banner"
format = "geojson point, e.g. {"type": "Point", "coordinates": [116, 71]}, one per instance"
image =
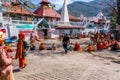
{"type": "Point", "coordinates": [27, 32]}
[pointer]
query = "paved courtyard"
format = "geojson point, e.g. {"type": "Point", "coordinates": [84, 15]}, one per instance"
{"type": "Point", "coordinates": [72, 66]}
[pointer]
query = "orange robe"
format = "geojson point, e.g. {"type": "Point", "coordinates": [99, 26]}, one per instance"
{"type": "Point", "coordinates": [36, 38]}
{"type": "Point", "coordinates": [42, 46]}
{"type": "Point", "coordinates": [99, 46]}
{"type": "Point", "coordinates": [90, 48]}
{"type": "Point", "coordinates": [7, 48]}
{"type": "Point", "coordinates": [19, 54]}
{"type": "Point", "coordinates": [76, 47]}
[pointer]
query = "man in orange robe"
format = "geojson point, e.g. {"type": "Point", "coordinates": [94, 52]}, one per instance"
{"type": "Point", "coordinates": [22, 47]}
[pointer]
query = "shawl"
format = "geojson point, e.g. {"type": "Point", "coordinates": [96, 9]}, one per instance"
{"type": "Point", "coordinates": [19, 49]}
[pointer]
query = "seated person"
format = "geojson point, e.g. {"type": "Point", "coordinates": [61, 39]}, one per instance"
{"type": "Point", "coordinates": [76, 47]}
{"type": "Point", "coordinates": [105, 44]}
{"type": "Point", "coordinates": [115, 46]}
{"type": "Point", "coordinates": [36, 38]}
{"type": "Point", "coordinates": [42, 46]}
{"type": "Point", "coordinates": [7, 48]}
{"type": "Point", "coordinates": [100, 46]}
{"type": "Point", "coordinates": [54, 47]}
{"type": "Point", "coordinates": [32, 45]}
{"type": "Point", "coordinates": [90, 48]}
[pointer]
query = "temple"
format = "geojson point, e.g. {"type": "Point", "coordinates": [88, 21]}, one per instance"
{"type": "Point", "coordinates": [44, 21]}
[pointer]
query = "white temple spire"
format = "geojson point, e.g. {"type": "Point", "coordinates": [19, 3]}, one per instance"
{"type": "Point", "coordinates": [64, 13]}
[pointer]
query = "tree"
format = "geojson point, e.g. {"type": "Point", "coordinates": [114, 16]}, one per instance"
{"type": "Point", "coordinates": [118, 12]}
{"type": "Point", "coordinates": [52, 5]}
{"type": "Point", "coordinates": [27, 4]}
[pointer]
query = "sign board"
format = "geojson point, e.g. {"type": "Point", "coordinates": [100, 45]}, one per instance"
{"type": "Point", "coordinates": [40, 34]}
{"type": "Point", "coordinates": [54, 33]}
{"type": "Point", "coordinates": [27, 32]}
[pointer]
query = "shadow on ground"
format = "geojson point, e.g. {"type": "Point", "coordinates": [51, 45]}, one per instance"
{"type": "Point", "coordinates": [16, 70]}
{"type": "Point", "coordinates": [117, 62]}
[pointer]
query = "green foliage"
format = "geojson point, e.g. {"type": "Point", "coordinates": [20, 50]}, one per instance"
{"type": "Point", "coordinates": [52, 5]}
{"type": "Point", "coordinates": [113, 18]}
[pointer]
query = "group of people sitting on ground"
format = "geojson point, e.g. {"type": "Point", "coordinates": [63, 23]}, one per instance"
{"type": "Point", "coordinates": [42, 44]}
{"type": "Point", "coordinates": [105, 41]}
{"type": "Point", "coordinates": [99, 41]}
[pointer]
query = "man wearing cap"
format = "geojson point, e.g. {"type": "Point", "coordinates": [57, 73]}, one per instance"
{"type": "Point", "coordinates": [6, 72]}
{"type": "Point", "coordinates": [22, 47]}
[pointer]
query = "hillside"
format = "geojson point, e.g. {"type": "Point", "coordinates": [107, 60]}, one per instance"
{"type": "Point", "coordinates": [88, 8]}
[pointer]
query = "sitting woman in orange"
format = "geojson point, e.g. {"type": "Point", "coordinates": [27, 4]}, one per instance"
{"type": "Point", "coordinates": [54, 47]}
{"type": "Point", "coordinates": [42, 46]}
{"type": "Point", "coordinates": [76, 47]}
{"type": "Point", "coordinates": [90, 48]}
{"type": "Point", "coordinates": [7, 48]}
{"type": "Point", "coordinates": [36, 38]}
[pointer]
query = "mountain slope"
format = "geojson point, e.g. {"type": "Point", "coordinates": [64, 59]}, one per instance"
{"type": "Point", "coordinates": [88, 8]}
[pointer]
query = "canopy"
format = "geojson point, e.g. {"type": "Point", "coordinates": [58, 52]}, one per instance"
{"type": "Point", "coordinates": [43, 25]}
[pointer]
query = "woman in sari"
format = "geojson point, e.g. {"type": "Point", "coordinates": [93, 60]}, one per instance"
{"type": "Point", "coordinates": [6, 72]}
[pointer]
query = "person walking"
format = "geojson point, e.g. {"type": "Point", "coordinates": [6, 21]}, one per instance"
{"type": "Point", "coordinates": [6, 72]}
{"type": "Point", "coordinates": [22, 47]}
{"type": "Point", "coordinates": [65, 42]}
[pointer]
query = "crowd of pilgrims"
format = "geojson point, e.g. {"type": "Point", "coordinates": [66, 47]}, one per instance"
{"type": "Point", "coordinates": [99, 42]}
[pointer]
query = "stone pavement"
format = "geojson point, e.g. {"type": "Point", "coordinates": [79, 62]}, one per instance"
{"type": "Point", "coordinates": [72, 66]}
{"type": "Point", "coordinates": [107, 54]}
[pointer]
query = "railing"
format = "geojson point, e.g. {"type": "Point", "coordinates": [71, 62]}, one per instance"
{"type": "Point", "coordinates": [22, 22]}
{"type": "Point", "coordinates": [60, 23]}
{"type": "Point", "coordinates": [8, 19]}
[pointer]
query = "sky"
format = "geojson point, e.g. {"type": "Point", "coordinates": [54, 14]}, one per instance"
{"type": "Point", "coordinates": [59, 3]}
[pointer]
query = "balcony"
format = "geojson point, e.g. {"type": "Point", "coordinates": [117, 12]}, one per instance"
{"type": "Point", "coordinates": [13, 21]}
